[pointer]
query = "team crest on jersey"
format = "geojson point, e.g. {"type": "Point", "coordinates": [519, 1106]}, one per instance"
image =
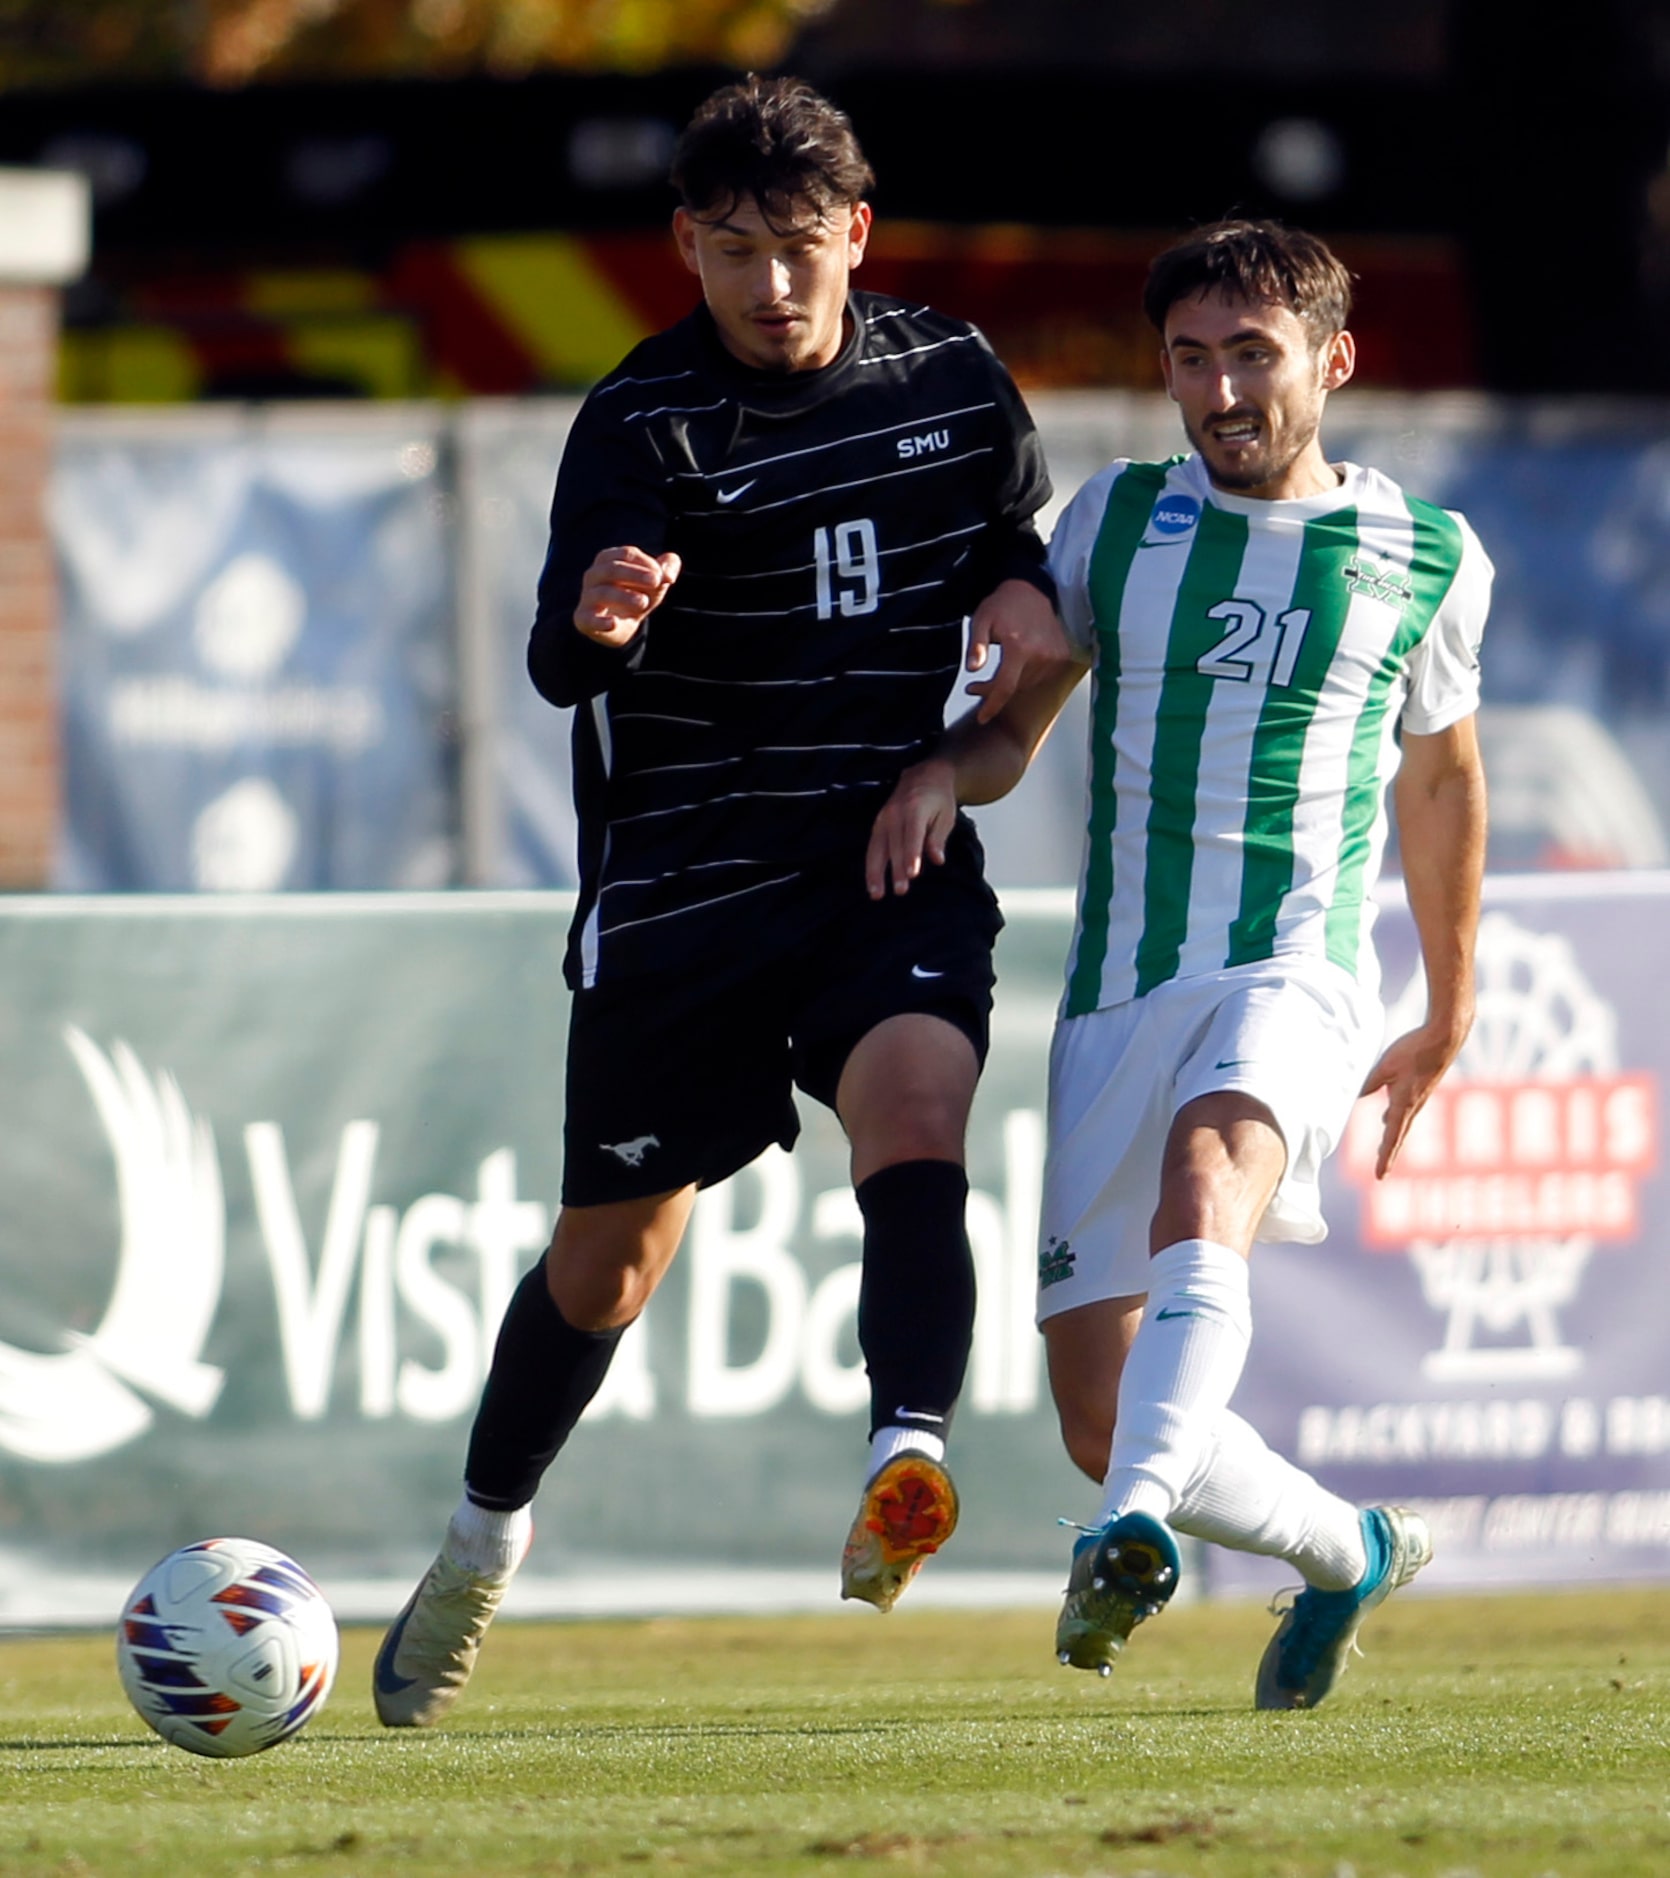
{"type": "Point", "coordinates": [1378, 580]}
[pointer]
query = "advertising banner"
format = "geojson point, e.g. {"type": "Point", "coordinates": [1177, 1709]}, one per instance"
{"type": "Point", "coordinates": [257, 657]}
{"type": "Point", "coordinates": [1485, 1334]}
{"type": "Point", "coordinates": [522, 825]}
{"type": "Point", "coordinates": [273, 1166]}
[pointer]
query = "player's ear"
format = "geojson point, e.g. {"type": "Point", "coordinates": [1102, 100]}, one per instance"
{"type": "Point", "coordinates": [1339, 361]}
{"type": "Point", "coordinates": [1165, 373]}
{"type": "Point", "coordinates": [858, 233]}
{"type": "Point", "coordinates": [684, 233]}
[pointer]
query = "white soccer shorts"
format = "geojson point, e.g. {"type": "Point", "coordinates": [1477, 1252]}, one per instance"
{"type": "Point", "coordinates": [1299, 1036]}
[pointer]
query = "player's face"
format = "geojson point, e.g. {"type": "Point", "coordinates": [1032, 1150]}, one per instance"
{"type": "Point", "coordinates": [1251, 381]}
{"type": "Point", "coordinates": [778, 299]}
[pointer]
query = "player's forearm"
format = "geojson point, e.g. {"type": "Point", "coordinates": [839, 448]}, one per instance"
{"type": "Point", "coordinates": [1441, 827]}
{"type": "Point", "coordinates": [986, 760]}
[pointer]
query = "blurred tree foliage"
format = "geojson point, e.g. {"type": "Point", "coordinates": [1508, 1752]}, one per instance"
{"type": "Point", "coordinates": [237, 42]}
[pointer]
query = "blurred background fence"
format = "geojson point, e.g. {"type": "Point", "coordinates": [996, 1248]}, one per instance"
{"type": "Point", "coordinates": [293, 637]}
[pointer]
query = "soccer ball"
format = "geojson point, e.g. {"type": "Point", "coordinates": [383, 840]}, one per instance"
{"type": "Point", "coordinates": [226, 1647]}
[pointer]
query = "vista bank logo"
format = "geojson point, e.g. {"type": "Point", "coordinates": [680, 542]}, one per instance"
{"type": "Point", "coordinates": [95, 1394]}
{"type": "Point", "coordinates": [394, 1311]}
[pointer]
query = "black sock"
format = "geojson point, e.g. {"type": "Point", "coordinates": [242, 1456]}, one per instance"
{"type": "Point", "coordinates": [544, 1373]}
{"type": "Point", "coordinates": [916, 1301]}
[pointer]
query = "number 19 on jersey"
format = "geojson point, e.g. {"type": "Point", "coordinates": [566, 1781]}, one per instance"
{"type": "Point", "coordinates": [848, 568]}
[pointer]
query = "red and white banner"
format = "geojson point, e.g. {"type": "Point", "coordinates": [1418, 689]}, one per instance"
{"type": "Point", "coordinates": [1486, 1332]}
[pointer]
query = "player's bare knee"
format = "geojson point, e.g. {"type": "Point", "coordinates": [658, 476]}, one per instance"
{"type": "Point", "coordinates": [927, 1129]}
{"type": "Point", "coordinates": [918, 1117]}
{"type": "Point", "coordinates": [905, 1092]}
{"type": "Point", "coordinates": [598, 1296]}
{"type": "Point", "coordinates": [602, 1282]}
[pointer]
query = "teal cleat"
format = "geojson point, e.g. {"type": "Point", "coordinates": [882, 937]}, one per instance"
{"type": "Point", "coordinates": [1308, 1653]}
{"type": "Point", "coordinates": [1120, 1575]}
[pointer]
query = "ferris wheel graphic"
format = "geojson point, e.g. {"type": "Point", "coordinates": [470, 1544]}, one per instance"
{"type": "Point", "coordinates": [1539, 1020]}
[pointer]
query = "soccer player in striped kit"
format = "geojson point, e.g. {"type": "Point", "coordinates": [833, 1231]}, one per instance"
{"type": "Point", "coordinates": [770, 525]}
{"type": "Point", "coordinates": [1274, 638]}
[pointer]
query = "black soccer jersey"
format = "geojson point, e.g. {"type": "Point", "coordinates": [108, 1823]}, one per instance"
{"type": "Point", "coordinates": [835, 529]}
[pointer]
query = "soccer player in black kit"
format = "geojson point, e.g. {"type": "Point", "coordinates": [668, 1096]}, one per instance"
{"type": "Point", "coordinates": [770, 525]}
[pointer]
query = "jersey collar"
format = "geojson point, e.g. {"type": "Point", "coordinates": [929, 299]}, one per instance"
{"type": "Point", "coordinates": [1348, 494]}
{"type": "Point", "coordinates": [782, 393]}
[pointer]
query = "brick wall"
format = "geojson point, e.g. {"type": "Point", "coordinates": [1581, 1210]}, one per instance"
{"type": "Point", "coordinates": [29, 756]}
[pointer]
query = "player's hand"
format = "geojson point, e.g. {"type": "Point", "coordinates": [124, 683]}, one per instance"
{"type": "Point", "coordinates": [914, 821]}
{"type": "Point", "coordinates": [1409, 1070]}
{"type": "Point", "coordinates": [622, 587]}
{"type": "Point", "coordinates": [1021, 623]}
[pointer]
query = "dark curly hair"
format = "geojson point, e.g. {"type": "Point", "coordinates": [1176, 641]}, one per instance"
{"type": "Point", "coordinates": [775, 140]}
{"type": "Point", "coordinates": [1238, 260]}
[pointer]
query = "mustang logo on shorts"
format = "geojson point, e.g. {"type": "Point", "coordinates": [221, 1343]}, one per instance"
{"type": "Point", "coordinates": [631, 1152]}
{"type": "Point", "coordinates": [1055, 1263]}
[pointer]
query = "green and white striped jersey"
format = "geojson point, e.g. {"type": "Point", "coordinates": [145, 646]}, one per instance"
{"type": "Point", "coordinates": [1253, 661]}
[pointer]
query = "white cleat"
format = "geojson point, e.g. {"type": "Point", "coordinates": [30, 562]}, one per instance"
{"type": "Point", "coordinates": [431, 1647]}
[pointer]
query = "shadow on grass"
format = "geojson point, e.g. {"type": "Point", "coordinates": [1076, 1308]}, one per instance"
{"type": "Point", "coordinates": [811, 1729]}
{"type": "Point", "coordinates": [640, 1731]}
{"type": "Point", "coordinates": [32, 1744]}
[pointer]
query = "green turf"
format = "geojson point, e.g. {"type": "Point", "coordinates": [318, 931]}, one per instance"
{"type": "Point", "coordinates": [1487, 1737]}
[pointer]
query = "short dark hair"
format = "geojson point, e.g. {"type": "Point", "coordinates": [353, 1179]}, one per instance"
{"type": "Point", "coordinates": [1243, 260]}
{"type": "Point", "coordinates": [776, 140]}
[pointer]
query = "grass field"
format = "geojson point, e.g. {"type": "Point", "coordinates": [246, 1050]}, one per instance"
{"type": "Point", "coordinates": [1505, 1737]}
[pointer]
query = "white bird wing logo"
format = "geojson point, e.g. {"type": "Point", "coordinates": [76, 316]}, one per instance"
{"type": "Point", "coordinates": [77, 1404]}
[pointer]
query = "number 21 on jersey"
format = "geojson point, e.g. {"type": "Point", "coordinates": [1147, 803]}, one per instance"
{"type": "Point", "coordinates": [1253, 641]}
{"type": "Point", "coordinates": [848, 568]}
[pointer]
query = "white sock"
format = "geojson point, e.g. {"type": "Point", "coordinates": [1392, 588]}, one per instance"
{"type": "Point", "coordinates": [486, 1542]}
{"type": "Point", "coordinates": [886, 1443]}
{"type": "Point", "coordinates": [1245, 1495]}
{"type": "Point", "coordinates": [1184, 1363]}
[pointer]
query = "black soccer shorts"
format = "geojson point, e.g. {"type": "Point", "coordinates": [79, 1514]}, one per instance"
{"type": "Point", "coordinates": [684, 1076]}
